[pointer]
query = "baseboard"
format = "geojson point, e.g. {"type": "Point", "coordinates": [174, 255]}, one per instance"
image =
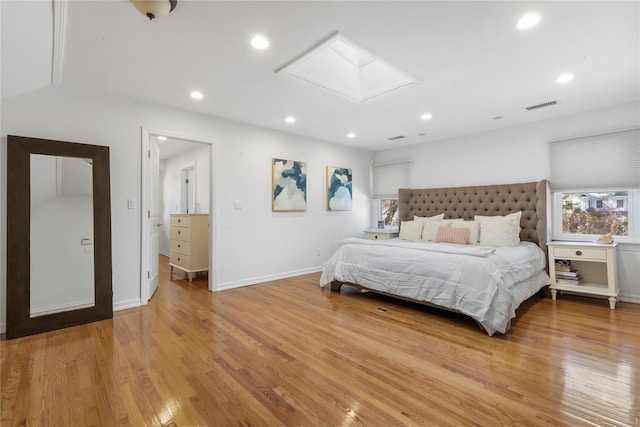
{"type": "Point", "coordinates": [167, 254]}
{"type": "Point", "coordinates": [123, 305]}
{"type": "Point", "coordinates": [3, 327]}
{"type": "Point", "coordinates": [629, 298]}
{"type": "Point", "coordinates": [256, 280]}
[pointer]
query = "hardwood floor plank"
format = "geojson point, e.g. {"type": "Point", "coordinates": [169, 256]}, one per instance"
{"type": "Point", "coordinates": [288, 352]}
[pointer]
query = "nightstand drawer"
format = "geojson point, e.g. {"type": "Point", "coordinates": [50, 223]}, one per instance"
{"type": "Point", "coordinates": [580, 253]}
{"type": "Point", "coordinates": [379, 234]}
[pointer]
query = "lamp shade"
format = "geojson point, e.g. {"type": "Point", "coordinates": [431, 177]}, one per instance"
{"type": "Point", "coordinates": [154, 8]}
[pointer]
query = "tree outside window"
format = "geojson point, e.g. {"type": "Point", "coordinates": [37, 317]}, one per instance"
{"type": "Point", "coordinates": [595, 213]}
{"type": "Point", "coordinates": [389, 212]}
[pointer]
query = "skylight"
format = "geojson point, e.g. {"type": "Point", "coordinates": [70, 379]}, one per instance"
{"type": "Point", "coordinates": [341, 66]}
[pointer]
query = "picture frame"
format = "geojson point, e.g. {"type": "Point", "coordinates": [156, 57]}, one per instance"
{"type": "Point", "coordinates": [288, 185]}
{"type": "Point", "coordinates": [339, 189]}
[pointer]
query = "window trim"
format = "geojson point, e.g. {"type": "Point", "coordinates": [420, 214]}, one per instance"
{"type": "Point", "coordinates": [633, 218]}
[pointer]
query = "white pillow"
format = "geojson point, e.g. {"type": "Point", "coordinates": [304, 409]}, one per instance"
{"type": "Point", "coordinates": [430, 229]}
{"type": "Point", "coordinates": [497, 233]}
{"type": "Point", "coordinates": [411, 230]}
{"type": "Point", "coordinates": [513, 216]}
{"type": "Point", "coordinates": [428, 218]}
{"type": "Point", "coordinates": [474, 230]}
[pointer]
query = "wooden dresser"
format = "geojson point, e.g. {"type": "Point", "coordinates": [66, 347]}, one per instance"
{"type": "Point", "coordinates": [189, 243]}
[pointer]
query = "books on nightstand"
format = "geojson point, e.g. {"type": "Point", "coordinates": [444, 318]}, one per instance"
{"type": "Point", "coordinates": [566, 274]}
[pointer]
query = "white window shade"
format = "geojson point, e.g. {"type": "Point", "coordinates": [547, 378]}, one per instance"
{"type": "Point", "coordinates": [389, 177]}
{"type": "Point", "coordinates": [607, 161]}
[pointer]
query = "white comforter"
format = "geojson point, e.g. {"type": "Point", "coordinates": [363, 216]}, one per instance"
{"type": "Point", "coordinates": [485, 283]}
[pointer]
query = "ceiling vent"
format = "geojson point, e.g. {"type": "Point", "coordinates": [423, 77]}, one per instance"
{"type": "Point", "coordinates": [393, 138]}
{"type": "Point", "coordinates": [543, 105]}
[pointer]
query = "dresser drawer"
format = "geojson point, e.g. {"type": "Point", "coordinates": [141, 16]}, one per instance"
{"type": "Point", "coordinates": [180, 246]}
{"type": "Point", "coordinates": [181, 260]}
{"type": "Point", "coordinates": [580, 253]}
{"type": "Point", "coordinates": [180, 220]}
{"type": "Point", "coordinates": [180, 233]}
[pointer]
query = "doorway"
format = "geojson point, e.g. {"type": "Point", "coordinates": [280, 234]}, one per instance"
{"type": "Point", "coordinates": [149, 227]}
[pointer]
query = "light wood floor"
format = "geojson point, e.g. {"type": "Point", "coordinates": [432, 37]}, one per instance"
{"type": "Point", "coordinates": [292, 354]}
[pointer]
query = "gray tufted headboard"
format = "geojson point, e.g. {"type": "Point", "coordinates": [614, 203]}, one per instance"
{"type": "Point", "coordinates": [465, 202]}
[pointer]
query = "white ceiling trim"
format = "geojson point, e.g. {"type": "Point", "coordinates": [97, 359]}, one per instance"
{"type": "Point", "coordinates": [59, 25]}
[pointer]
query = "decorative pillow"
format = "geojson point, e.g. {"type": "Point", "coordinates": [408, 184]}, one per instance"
{"type": "Point", "coordinates": [458, 236]}
{"type": "Point", "coordinates": [428, 218]}
{"type": "Point", "coordinates": [430, 229]}
{"type": "Point", "coordinates": [516, 224]}
{"type": "Point", "coordinates": [474, 230]}
{"type": "Point", "coordinates": [498, 233]}
{"type": "Point", "coordinates": [411, 230]}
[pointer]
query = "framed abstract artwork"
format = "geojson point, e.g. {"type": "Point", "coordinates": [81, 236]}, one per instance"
{"type": "Point", "coordinates": [289, 186]}
{"type": "Point", "coordinates": [339, 189]}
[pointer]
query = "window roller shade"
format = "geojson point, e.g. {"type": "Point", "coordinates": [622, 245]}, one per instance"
{"type": "Point", "coordinates": [606, 161]}
{"type": "Point", "coordinates": [388, 178]}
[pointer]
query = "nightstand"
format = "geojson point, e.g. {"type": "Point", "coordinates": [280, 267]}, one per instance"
{"type": "Point", "coordinates": [594, 262]}
{"type": "Point", "coordinates": [374, 234]}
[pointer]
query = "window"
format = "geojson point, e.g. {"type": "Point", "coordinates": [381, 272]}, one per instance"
{"type": "Point", "coordinates": [608, 217]}
{"type": "Point", "coordinates": [584, 215]}
{"type": "Point", "coordinates": [389, 212]}
{"type": "Point", "coordinates": [387, 179]}
{"type": "Point", "coordinates": [594, 181]}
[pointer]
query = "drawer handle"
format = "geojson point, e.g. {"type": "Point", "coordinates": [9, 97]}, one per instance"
{"type": "Point", "coordinates": [178, 245]}
{"type": "Point", "coordinates": [375, 237]}
{"type": "Point", "coordinates": [178, 258]}
{"type": "Point", "coordinates": [179, 220]}
{"type": "Point", "coordinates": [178, 231]}
{"type": "Point", "coordinates": [578, 253]}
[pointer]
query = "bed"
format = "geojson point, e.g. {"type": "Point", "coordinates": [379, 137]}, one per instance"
{"type": "Point", "coordinates": [486, 279]}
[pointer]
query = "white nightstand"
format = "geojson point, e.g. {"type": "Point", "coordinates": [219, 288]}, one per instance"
{"type": "Point", "coordinates": [374, 234]}
{"type": "Point", "coordinates": [595, 262]}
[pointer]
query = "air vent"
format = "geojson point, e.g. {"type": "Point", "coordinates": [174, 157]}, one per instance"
{"type": "Point", "coordinates": [393, 138]}
{"type": "Point", "coordinates": [543, 105]}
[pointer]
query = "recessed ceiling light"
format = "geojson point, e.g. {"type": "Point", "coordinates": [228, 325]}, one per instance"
{"type": "Point", "coordinates": [564, 78]}
{"type": "Point", "coordinates": [197, 95]}
{"type": "Point", "coordinates": [528, 20]}
{"type": "Point", "coordinates": [290, 119]}
{"type": "Point", "coordinates": [162, 138]}
{"type": "Point", "coordinates": [351, 135]}
{"type": "Point", "coordinates": [260, 42]}
{"type": "Point", "coordinates": [426, 116]}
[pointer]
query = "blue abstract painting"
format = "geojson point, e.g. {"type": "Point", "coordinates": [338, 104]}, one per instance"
{"type": "Point", "coordinates": [289, 186]}
{"type": "Point", "coordinates": [339, 189]}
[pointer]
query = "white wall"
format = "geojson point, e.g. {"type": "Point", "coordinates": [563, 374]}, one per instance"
{"type": "Point", "coordinates": [517, 154]}
{"type": "Point", "coordinates": [170, 176]}
{"type": "Point", "coordinates": [253, 244]}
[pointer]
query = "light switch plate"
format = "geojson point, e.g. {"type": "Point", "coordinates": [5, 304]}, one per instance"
{"type": "Point", "coordinates": [131, 203]}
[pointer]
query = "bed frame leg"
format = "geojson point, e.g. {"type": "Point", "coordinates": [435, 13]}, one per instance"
{"type": "Point", "coordinates": [335, 286]}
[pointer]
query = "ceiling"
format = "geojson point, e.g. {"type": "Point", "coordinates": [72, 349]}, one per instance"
{"type": "Point", "coordinates": [471, 63]}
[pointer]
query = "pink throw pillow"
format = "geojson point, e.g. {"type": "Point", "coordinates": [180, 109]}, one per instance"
{"type": "Point", "coordinates": [458, 236]}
